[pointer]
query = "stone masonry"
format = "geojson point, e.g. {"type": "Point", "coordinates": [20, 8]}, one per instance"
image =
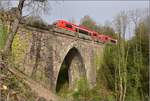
{"type": "Point", "coordinates": [47, 49]}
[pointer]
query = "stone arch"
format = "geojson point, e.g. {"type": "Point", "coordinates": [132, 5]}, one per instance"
{"type": "Point", "coordinates": [72, 68]}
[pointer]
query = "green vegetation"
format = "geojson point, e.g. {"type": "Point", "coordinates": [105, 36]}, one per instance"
{"type": "Point", "coordinates": [14, 89]}
{"type": "Point", "coordinates": [122, 71]}
{"type": "Point", "coordinates": [124, 68]}
{"type": "Point", "coordinates": [3, 35]}
{"type": "Point", "coordinates": [19, 48]}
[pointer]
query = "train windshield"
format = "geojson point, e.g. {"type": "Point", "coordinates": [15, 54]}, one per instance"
{"type": "Point", "coordinates": [68, 25]}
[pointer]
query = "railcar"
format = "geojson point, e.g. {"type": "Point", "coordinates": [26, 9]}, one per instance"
{"type": "Point", "coordinates": [93, 34]}
{"type": "Point", "coordinates": [64, 24]}
{"type": "Point", "coordinates": [83, 30]}
{"type": "Point", "coordinates": [103, 38]}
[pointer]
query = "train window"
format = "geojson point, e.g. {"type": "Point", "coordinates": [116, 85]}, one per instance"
{"type": "Point", "coordinates": [106, 38]}
{"type": "Point", "coordinates": [83, 32]}
{"type": "Point", "coordinates": [94, 34]}
{"type": "Point", "coordinates": [68, 25]}
{"type": "Point", "coordinates": [113, 41]}
{"type": "Point", "coordinates": [76, 30]}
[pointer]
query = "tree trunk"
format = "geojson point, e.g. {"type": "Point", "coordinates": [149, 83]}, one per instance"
{"type": "Point", "coordinates": [124, 89]}
{"type": "Point", "coordinates": [14, 28]}
{"type": "Point", "coordinates": [120, 89]}
{"type": "Point", "coordinates": [10, 38]}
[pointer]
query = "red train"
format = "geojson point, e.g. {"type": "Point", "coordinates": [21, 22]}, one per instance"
{"type": "Point", "coordinates": [81, 29]}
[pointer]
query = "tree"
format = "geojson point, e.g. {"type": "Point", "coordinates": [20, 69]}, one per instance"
{"type": "Point", "coordinates": [130, 61]}
{"type": "Point", "coordinates": [12, 17]}
{"type": "Point", "coordinates": [88, 22]}
{"type": "Point", "coordinates": [17, 13]}
{"type": "Point", "coordinates": [121, 22]}
{"type": "Point", "coordinates": [139, 53]}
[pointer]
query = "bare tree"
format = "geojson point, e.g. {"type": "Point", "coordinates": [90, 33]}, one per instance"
{"type": "Point", "coordinates": [121, 22]}
{"type": "Point", "coordinates": [137, 15]}
{"type": "Point", "coordinates": [36, 5]}
{"type": "Point", "coordinates": [14, 15]}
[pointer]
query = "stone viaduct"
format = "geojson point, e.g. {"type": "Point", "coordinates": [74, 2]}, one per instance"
{"type": "Point", "coordinates": [56, 56]}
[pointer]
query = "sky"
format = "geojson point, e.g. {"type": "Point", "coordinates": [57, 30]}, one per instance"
{"type": "Point", "coordinates": [100, 11]}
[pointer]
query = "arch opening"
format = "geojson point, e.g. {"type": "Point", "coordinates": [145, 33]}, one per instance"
{"type": "Point", "coordinates": [71, 70]}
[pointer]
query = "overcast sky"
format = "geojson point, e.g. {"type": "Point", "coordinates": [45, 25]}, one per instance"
{"type": "Point", "coordinates": [100, 11]}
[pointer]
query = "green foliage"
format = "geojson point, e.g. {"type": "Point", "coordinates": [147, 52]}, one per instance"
{"type": "Point", "coordinates": [133, 95]}
{"type": "Point", "coordinates": [88, 22]}
{"type": "Point", "coordinates": [111, 98]}
{"type": "Point", "coordinates": [108, 66]}
{"type": "Point", "coordinates": [20, 46]}
{"type": "Point", "coordinates": [3, 35]}
{"type": "Point", "coordinates": [135, 69]}
{"type": "Point", "coordinates": [82, 91]}
{"type": "Point", "coordinates": [137, 64]}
